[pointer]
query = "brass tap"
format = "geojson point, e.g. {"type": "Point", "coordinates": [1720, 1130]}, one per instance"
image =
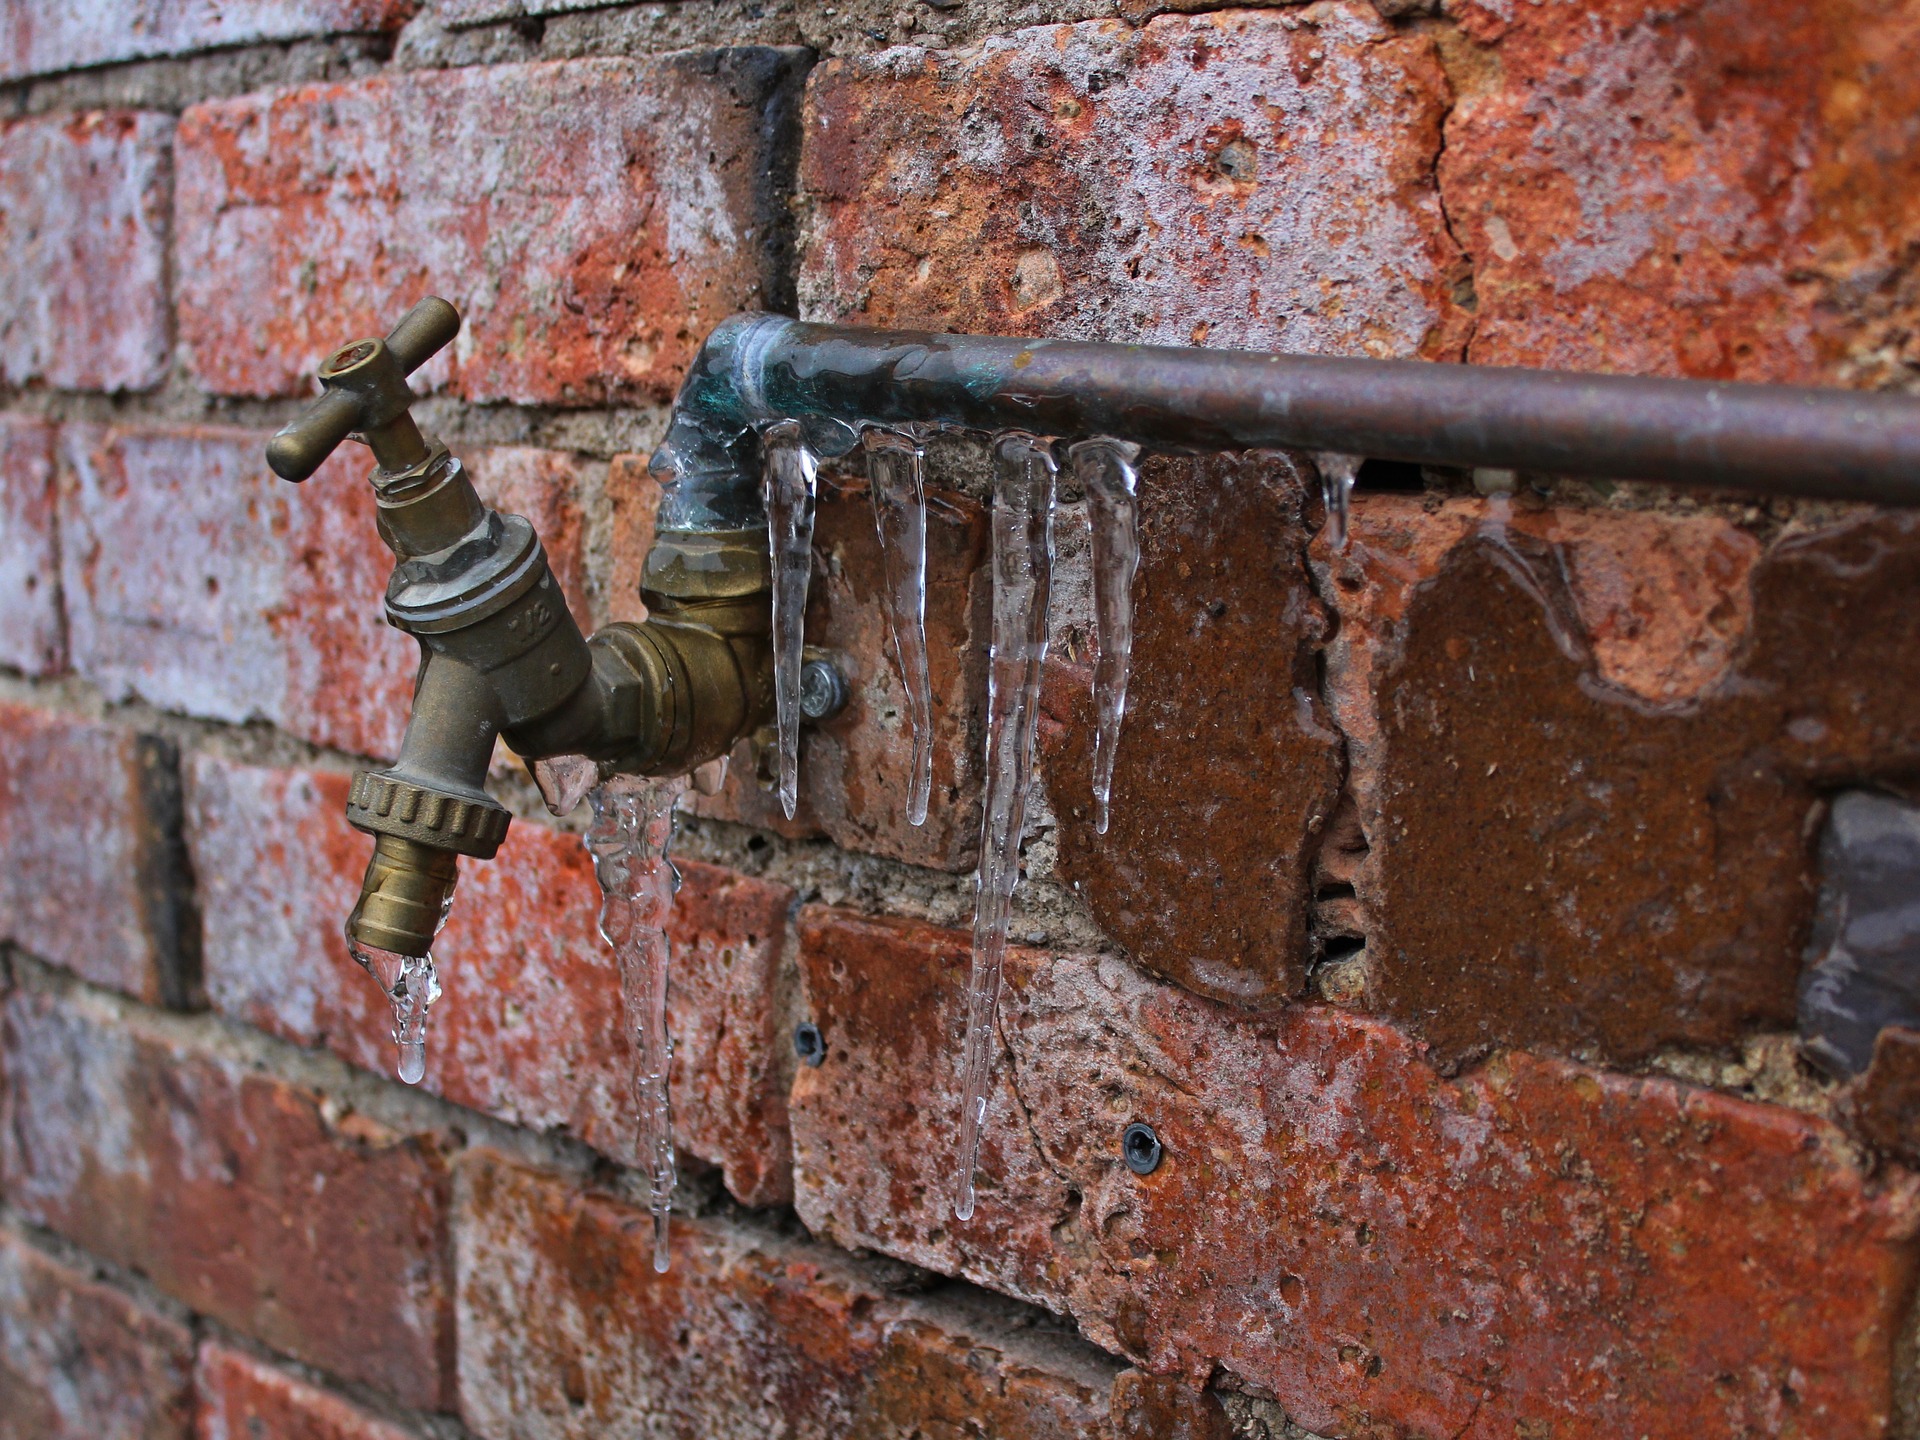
{"type": "Point", "coordinates": [501, 654]}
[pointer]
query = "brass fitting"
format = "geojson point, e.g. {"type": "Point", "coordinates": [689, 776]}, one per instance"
{"type": "Point", "coordinates": [502, 656]}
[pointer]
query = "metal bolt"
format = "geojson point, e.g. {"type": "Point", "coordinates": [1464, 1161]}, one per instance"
{"type": "Point", "coordinates": [1140, 1148]}
{"type": "Point", "coordinates": [809, 1044]}
{"type": "Point", "coordinates": [823, 691]}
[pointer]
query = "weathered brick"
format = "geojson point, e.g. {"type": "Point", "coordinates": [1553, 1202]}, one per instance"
{"type": "Point", "coordinates": [80, 1360]}
{"type": "Point", "coordinates": [90, 872]}
{"type": "Point", "coordinates": [199, 582]}
{"type": "Point", "coordinates": [591, 218]}
{"type": "Point", "coordinates": [1251, 179]}
{"type": "Point", "coordinates": [83, 250]}
{"type": "Point", "coordinates": [32, 639]}
{"type": "Point", "coordinates": [1588, 753]}
{"type": "Point", "coordinates": [241, 1397]}
{"type": "Point", "coordinates": [1228, 767]}
{"type": "Point", "coordinates": [1709, 187]}
{"type": "Point", "coordinates": [41, 39]}
{"type": "Point", "coordinates": [1534, 1248]}
{"type": "Point", "coordinates": [251, 1199]}
{"type": "Point", "coordinates": [528, 1028]}
{"type": "Point", "coordinates": [854, 767]}
{"type": "Point", "coordinates": [565, 1331]}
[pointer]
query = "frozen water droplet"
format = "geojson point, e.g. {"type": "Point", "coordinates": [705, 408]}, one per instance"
{"type": "Point", "coordinates": [1337, 474]}
{"type": "Point", "coordinates": [411, 985]}
{"type": "Point", "coordinates": [628, 840]}
{"type": "Point", "coordinates": [564, 781]}
{"type": "Point", "coordinates": [1104, 468]}
{"type": "Point", "coordinates": [1022, 576]}
{"type": "Point", "coordinates": [787, 481]}
{"type": "Point", "coordinates": [896, 474]}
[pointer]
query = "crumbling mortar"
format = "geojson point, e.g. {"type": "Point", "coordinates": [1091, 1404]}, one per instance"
{"type": "Point", "coordinates": [172, 83]}
{"type": "Point", "coordinates": [63, 1251]}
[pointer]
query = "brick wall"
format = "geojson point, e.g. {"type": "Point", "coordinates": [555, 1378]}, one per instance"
{"type": "Point", "coordinates": [1461, 884]}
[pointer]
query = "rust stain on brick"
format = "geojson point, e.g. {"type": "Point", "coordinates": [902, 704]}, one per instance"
{"type": "Point", "coordinates": [1089, 180]}
{"type": "Point", "coordinates": [1535, 1247]}
{"type": "Point", "coordinates": [1228, 766]}
{"type": "Point", "coordinates": [1558, 860]}
{"type": "Point", "coordinates": [591, 218]}
{"type": "Point", "coordinates": [567, 1325]}
{"type": "Point", "coordinates": [1708, 188]}
{"type": "Point", "coordinates": [239, 1194]}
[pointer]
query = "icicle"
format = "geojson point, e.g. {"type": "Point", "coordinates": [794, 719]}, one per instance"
{"type": "Point", "coordinates": [787, 488]}
{"type": "Point", "coordinates": [1104, 468]}
{"type": "Point", "coordinates": [1022, 578]}
{"type": "Point", "coordinates": [896, 474]}
{"type": "Point", "coordinates": [564, 781]}
{"type": "Point", "coordinates": [411, 986]}
{"type": "Point", "coordinates": [631, 831]}
{"type": "Point", "coordinates": [1337, 474]}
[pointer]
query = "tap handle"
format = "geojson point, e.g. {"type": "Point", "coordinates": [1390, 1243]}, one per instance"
{"type": "Point", "coordinates": [366, 391]}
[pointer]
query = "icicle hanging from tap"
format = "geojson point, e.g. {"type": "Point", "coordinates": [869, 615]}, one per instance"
{"type": "Point", "coordinates": [629, 838]}
{"type": "Point", "coordinates": [896, 476]}
{"type": "Point", "coordinates": [1104, 468]}
{"type": "Point", "coordinates": [787, 477]}
{"type": "Point", "coordinates": [411, 985]}
{"type": "Point", "coordinates": [1022, 563]}
{"type": "Point", "coordinates": [1337, 474]}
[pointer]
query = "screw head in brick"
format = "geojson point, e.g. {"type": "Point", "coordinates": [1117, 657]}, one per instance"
{"type": "Point", "coordinates": [809, 1044]}
{"type": "Point", "coordinates": [823, 690]}
{"type": "Point", "coordinates": [1140, 1148]}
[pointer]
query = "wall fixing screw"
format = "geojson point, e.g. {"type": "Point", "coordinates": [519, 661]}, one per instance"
{"type": "Point", "coordinates": [809, 1044]}
{"type": "Point", "coordinates": [1140, 1148]}
{"type": "Point", "coordinates": [823, 690]}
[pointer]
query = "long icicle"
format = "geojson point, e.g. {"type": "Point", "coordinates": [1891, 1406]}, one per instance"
{"type": "Point", "coordinates": [896, 481]}
{"type": "Point", "coordinates": [1022, 580]}
{"type": "Point", "coordinates": [411, 984]}
{"type": "Point", "coordinates": [1104, 468]}
{"type": "Point", "coordinates": [787, 477]}
{"type": "Point", "coordinates": [629, 838]}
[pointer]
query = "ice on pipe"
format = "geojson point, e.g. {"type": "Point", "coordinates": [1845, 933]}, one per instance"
{"type": "Point", "coordinates": [631, 833]}
{"type": "Point", "coordinates": [1105, 469]}
{"type": "Point", "coordinates": [896, 482]}
{"type": "Point", "coordinates": [789, 470]}
{"type": "Point", "coordinates": [1022, 577]}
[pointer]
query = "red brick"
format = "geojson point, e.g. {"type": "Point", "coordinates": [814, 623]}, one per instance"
{"type": "Point", "coordinates": [199, 582]}
{"type": "Point", "coordinates": [527, 1028]}
{"type": "Point", "coordinates": [31, 634]}
{"type": "Point", "coordinates": [253, 1200]}
{"type": "Point", "coordinates": [89, 852]}
{"type": "Point", "coordinates": [1535, 1248]}
{"type": "Point", "coordinates": [80, 1360]}
{"type": "Point", "coordinates": [244, 1398]}
{"type": "Point", "coordinates": [854, 767]}
{"type": "Point", "coordinates": [83, 250]}
{"type": "Point", "coordinates": [591, 218]}
{"type": "Point", "coordinates": [1587, 751]}
{"type": "Point", "coordinates": [1251, 179]}
{"type": "Point", "coordinates": [565, 1331]}
{"type": "Point", "coordinates": [41, 39]}
{"type": "Point", "coordinates": [1228, 767]}
{"type": "Point", "coordinates": [1709, 187]}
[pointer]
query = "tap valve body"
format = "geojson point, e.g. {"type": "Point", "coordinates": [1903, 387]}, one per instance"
{"type": "Point", "coordinates": [501, 654]}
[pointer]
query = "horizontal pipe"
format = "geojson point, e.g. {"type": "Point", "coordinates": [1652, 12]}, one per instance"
{"type": "Point", "coordinates": [1829, 444]}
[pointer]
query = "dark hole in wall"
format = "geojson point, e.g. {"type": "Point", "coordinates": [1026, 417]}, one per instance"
{"type": "Point", "coordinates": [1392, 476]}
{"type": "Point", "coordinates": [1863, 962]}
